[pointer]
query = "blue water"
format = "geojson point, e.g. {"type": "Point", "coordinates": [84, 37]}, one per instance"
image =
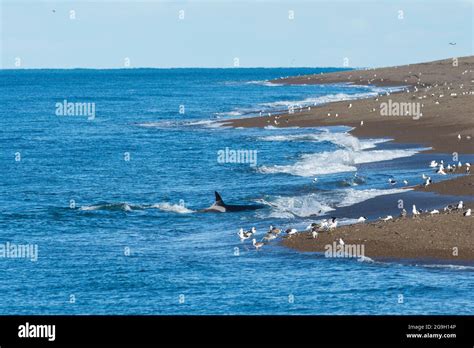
{"type": "Point", "coordinates": [119, 236]}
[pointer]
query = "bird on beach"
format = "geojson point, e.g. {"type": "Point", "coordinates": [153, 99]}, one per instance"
{"type": "Point", "coordinates": [387, 218]}
{"type": "Point", "coordinates": [361, 123]}
{"type": "Point", "coordinates": [392, 181]}
{"type": "Point", "coordinates": [433, 164]}
{"type": "Point", "coordinates": [405, 182]}
{"type": "Point", "coordinates": [341, 242]}
{"type": "Point", "coordinates": [423, 176]}
{"type": "Point", "coordinates": [468, 168]}
{"type": "Point", "coordinates": [435, 211]}
{"type": "Point", "coordinates": [427, 182]}
{"type": "Point", "coordinates": [291, 231]}
{"type": "Point", "coordinates": [256, 244]}
{"type": "Point", "coordinates": [362, 219]}
{"type": "Point", "coordinates": [314, 234]}
{"type": "Point", "coordinates": [467, 212]}
{"type": "Point", "coordinates": [414, 211]}
{"type": "Point", "coordinates": [403, 213]}
{"type": "Point", "coordinates": [333, 224]}
{"type": "Point", "coordinates": [460, 205]}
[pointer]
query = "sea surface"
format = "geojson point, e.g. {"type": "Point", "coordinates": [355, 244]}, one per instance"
{"type": "Point", "coordinates": [111, 200]}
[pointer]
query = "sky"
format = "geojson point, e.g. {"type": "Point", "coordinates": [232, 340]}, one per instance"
{"type": "Point", "coordinates": [247, 33]}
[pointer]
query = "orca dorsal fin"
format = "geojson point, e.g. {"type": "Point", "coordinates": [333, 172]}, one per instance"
{"type": "Point", "coordinates": [219, 200]}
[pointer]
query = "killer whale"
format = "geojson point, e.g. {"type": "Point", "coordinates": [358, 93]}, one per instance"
{"type": "Point", "coordinates": [220, 207]}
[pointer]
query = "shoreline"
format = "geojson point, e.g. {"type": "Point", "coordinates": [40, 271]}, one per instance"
{"type": "Point", "coordinates": [444, 93]}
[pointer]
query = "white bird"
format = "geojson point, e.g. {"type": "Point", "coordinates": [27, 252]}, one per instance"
{"type": "Point", "coordinates": [242, 235]}
{"type": "Point", "coordinates": [392, 181]}
{"type": "Point", "coordinates": [467, 213]}
{"type": "Point", "coordinates": [405, 182]}
{"type": "Point", "coordinates": [459, 164]}
{"type": "Point", "coordinates": [315, 180]}
{"type": "Point", "coordinates": [440, 171]}
{"type": "Point", "coordinates": [341, 242]}
{"type": "Point", "coordinates": [361, 219]}
{"type": "Point", "coordinates": [459, 136]}
{"type": "Point", "coordinates": [435, 211]}
{"type": "Point", "coordinates": [424, 177]}
{"type": "Point", "coordinates": [333, 224]}
{"type": "Point", "coordinates": [433, 164]}
{"type": "Point", "coordinates": [291, 231]}
{"type": "Point", "coordinates": [314, 234]}
{"type": "Point", "coordinates": [460, 205]}
{"type": "Point", "coordinates": [388, 217]}
{"type": "Point", "coordinates": [427, 182]}
{"type": "Point", "coordinates": [361, 123]}
{"type": "Point", "coordinates": [414, 211]}
{"type": "Point", "coordinates": [256, 244]}
{"type": "Point", "coordinates": [350, 105]}
{"type": "Point", "coordinates": [324, 225]}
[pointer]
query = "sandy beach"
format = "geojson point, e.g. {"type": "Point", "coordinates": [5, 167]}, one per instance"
{"type": "Point", "coordinates": [444, 92]}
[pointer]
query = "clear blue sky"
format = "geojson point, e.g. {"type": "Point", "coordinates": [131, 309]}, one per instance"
{"type": "Point", "coordinates": [213, 33]}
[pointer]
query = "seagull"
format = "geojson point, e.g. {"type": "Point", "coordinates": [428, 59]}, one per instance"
{"type": "Point", "coordinates": [361, 123]}
{"type": "Point", "coordinates": [291, 231]}
{"type": "Point", "coordinates": [269, 236]}
{"type": "Point", "coordinates": [459, 136]}
{"type": "Point", "coordinates": [274, 230]}
{"type": "Point", "coordinates": [460, 205]}
{"type": "Point", "coordinates": [314, 234]}
{"type": "Point", "coordinates": [414, 211]}
{"type": "Point", "coordinates": [392, 181]}
{"type": "Point", "coordinates": [403, 213]}
{"type": "Point", "coordinates": [350, 105]}
{"type": "Point", "coordinates": [315, 180]}
{"type": "Point", "coordinates": [467, 212]}
{"type": "Point", "coordinates": [434, 212]}
{"type": "Point", "coordinates": [459, 164]}
{"type": "Point", "coordinates": [424, 177]}
{"type": "Point", "coordinates": [341, 242]}
{"type": "Point", "coordinates": [405, 182]}
{"type": "Point", "coordinates": [468, 168]}
{"type": "Point", "coordinates": [433, 164]}
{"type": "Point", "coordinates": [257, 245]}
{"type": "Point", "coordinates": [427, 182]}
{"type": "Point", "coordinates": [324, 225]}
{"type": "Point", "coordinates": [361, 219]}
{"type": "Point", "coordinates": [441, 170]}
{"type": "Point", "coordinates": [333, 224]}
{"type": "Point", "coordinates": [388, 217]}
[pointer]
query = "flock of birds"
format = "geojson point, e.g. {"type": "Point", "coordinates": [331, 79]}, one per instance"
{"type": "Point", "coordinates": [328, 225]}
{"type": "Point", "coordinates": [440, 169]}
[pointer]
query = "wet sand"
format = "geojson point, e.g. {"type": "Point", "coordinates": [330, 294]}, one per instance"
{"type": "Point", "coordinates": [444, 92]}
{"type": "Point", "coordinates": [426, 237]}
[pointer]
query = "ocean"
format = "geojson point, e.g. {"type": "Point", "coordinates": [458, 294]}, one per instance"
{"type": "Point", "coordinates": [109, 191]}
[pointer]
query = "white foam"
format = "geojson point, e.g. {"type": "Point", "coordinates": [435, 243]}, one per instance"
{"type": "Point", "coordinates": [353, 196]}
{"type": "Point", "coordinates": [343, 139]}
{"type": "Point", "coordinates": [329, 98]}
{"type": "Point", "coordinates": [175, 208]}
{"type": "Point", "coordinates": [338, 161]}
{"type": "Point", "coordinates": [264, 83]}
{"type": "Point", "coordinates": [229, 113]}
{"type": "Point", "coordinates": [299, 206]}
